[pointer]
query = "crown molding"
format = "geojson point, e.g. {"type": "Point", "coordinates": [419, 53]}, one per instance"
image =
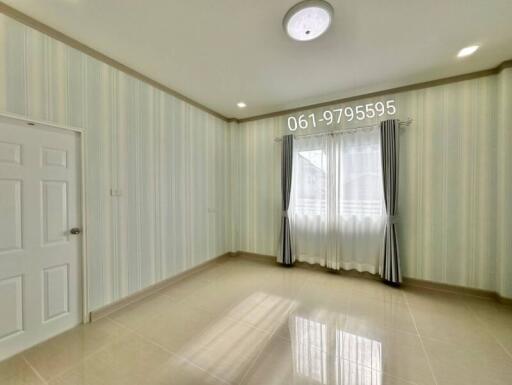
{"type": "Point", "coordinates": [409, 87]}
{"type": "Point", "coordinates": [47, 30]}
{"type": "Point", "coordinates": [53, 33]}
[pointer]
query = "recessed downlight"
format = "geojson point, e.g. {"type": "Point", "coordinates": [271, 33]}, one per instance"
{"type": "Point", "coordinates": [308, 19]}
{"type": "Point", "coordinates": [467, 51]}
{"type": "Point", "coordinates": [241, 105]}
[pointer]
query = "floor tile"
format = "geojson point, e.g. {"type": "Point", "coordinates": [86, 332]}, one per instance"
{"type": "Point", "coordinates": [335, 356]}
{"type": "Point", "coordinates": [139, 313]}
{"type": "Point", "coordinates": [247, 321]}
{"type": "Point", "coordinates": [55, 356]}
{"type": "Point", "coordinates": [275, 365]}
{"type": "Point", "coordinates": [15, 371]}
{"type": "Point", "coordinates": [126, 362]}
{"type": "Point", "coordinates": [226, 349]}
{"type": "Point", "coordinates": [184, 287]}
{"type": "Point", "coordinates": [453, 365]}
{"type": "Point", "coordinates": [377, 313]}
{"type": "Point", "coordinates": [377, 290]}
{"type": "Point", "coordinates": [263, 310]}
{"type": "Point", "coordinates": [177, 371]}
{"type": "Point", "coordinates": [177, 328]}
{"type": "Point", "coordinates": [214, 273]}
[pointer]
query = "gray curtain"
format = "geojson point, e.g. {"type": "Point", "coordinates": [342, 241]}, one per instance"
{"type": "Point", "coordinates": [284, 254]}
{"type": "Point", "coordinates": [389, 143]}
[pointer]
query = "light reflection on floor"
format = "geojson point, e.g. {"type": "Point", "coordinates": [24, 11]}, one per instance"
{"type": "Point", "coordinates": [243, 322]}
{"type": "Point", "coordinates": [351, 360]}
{"type": "Point", "coordinates": [322, 353]}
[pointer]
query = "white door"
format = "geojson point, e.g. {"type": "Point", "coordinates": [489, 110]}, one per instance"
{"type": "Point", "coordinates": [40, 274]}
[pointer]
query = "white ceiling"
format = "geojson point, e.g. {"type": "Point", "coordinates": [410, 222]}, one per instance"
{"type": "Point", "coordinates": [219, 52]}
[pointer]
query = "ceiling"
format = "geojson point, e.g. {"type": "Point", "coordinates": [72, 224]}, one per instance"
{"type": "Point", "coordinates": [225, 51]}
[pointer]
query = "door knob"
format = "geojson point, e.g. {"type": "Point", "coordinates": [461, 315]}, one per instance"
{"type": "Point", "coordinates": [75, 231]}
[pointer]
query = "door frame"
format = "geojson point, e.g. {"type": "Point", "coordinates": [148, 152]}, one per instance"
{"type": "Point", "coordinates": [82, 188]}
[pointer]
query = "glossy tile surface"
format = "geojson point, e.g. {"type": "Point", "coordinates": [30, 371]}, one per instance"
{"type": "Point", "coordinates": [243, 321]}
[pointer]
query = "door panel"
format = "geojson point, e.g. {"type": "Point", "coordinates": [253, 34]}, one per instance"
{"type": "Point", "coordinates": [40, 276]}
{"type": "Point", "coordinates": [11, 304]}
{"type": "Point", "coordinates": [55, 212]}
{"type": "Point", "coordinates": [10, 220]}
{"type": "Point", "coordinates": [55, 292]}
{"type": "Point", "coordinates": [10, 153]}
{"type": "Point", "coordinates": [53, 158]}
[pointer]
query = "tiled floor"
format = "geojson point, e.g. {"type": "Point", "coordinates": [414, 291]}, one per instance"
{"type": "Point", "coordinates": [249, 322]}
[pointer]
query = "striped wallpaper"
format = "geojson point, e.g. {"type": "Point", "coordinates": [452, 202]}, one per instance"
{"type": "Point", "coordinates": [455, 182]}
{"type": "Point", "coordinates": [201, 187]}
{"type": "Point", "coordinates": [169, 159]}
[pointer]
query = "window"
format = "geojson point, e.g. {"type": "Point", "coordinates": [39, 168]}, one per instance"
{"type": "Point", "coordinates": [339, 173]}
{"type": "Point", "coordinates": [360, 181]}
{"type": "Point", "coordinates": [337, 213]}
{"type": "Point", "coordinates": [311, 192]}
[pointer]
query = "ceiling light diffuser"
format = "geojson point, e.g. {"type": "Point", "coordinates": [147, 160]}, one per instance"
{"type": "Point", "coordinates": [468, 51]}
{"type": "Point", "coordinates": [308, 19]}
{"type": "Point", "coordinates": [241, 105]}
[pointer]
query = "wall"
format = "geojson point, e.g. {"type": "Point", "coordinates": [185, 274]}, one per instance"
{"type": "Point", "coordinates": [455, 182]}
{"type": "Point", "coordinates": [203, 187]}
{"type": "Point", "coordinates": [504, 184]}
{"type": "Point", "coordinates": [169, 159]}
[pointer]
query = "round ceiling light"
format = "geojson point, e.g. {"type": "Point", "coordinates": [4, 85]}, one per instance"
{"type": "Point", "coordinates": [308, 19]}
{"type": "Point", "coordinates": [468, 51]}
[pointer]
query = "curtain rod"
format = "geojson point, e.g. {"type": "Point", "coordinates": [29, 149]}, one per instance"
{"type": "Point", "coordinates": [405, 123]}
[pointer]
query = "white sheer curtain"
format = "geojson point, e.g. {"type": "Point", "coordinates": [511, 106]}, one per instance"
{"type": "Point", "coordinates": [336, 210]}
